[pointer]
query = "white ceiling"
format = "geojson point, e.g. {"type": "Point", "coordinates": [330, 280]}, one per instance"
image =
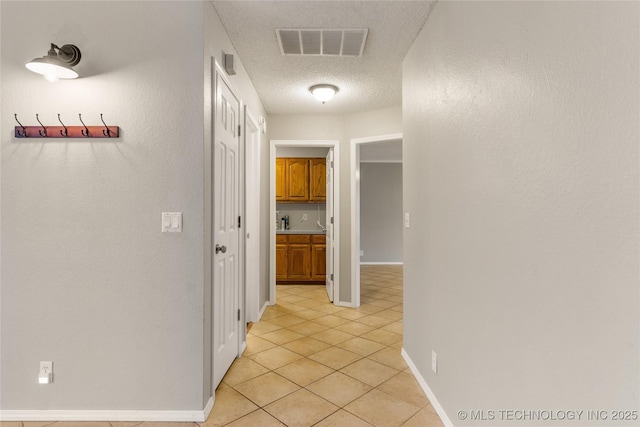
{"type": "Point", "coordinates": [366, 83]}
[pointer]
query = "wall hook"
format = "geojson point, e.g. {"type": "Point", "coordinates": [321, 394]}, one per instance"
{"type": "Point", "coordinates": [43, 128]}
{"type": "Point", "coordinates": [66, 131]}
{"type": "Point", "coordinates": [24, 129]}
{"type": "Point", "coordinates": [85, 131]}
{"type": "Point", "coordinates": [106, 132]}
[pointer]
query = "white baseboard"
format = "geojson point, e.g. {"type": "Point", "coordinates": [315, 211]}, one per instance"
{"type": "Point", "coordinates": [108, 415]}
{"type": "Point", "coordinates": [382, 263]}
{"type": "Point", "coordinates": [344, 304]}
{"type": "Point", "coordinates": [432, 397]}
{"type": "Point", "coordinates": [261, 312]}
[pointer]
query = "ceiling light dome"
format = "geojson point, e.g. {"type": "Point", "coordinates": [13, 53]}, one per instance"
{"type": "Point", "coordinates": [57, 64]}
{"type": "Point", "coordinates": [323, 92]}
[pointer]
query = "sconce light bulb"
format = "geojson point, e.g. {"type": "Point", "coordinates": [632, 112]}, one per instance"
{"type": "Point", "coordinates": [51, 76]}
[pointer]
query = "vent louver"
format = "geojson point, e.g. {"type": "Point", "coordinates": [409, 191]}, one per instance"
{"type": "Point", "coordinates": [322, 42]}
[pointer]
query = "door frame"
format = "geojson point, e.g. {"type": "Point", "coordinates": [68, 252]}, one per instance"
{"type": "Point", "coordinates": [331, 144]}
{"type": "Point", "coordinates": [355, 145]}
{"type": "Point", "coordinates": [251, 172]}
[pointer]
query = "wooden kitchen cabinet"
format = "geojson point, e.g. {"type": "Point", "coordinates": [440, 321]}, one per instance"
{"type": "Point", "coordinates": [282, 257]}
{"type": "Point", "coordinates": [300, 257]}
{"type": "Point", "coordinates": [300, 180]}
{"type": "Point", "coordinates": [281, 180]}
{"type": "Point", "coordinates": [297, 180]}
{"type": "Point", "coordinates": [317, 180]}
{"type": "Point", "coordinates": [318, 257]}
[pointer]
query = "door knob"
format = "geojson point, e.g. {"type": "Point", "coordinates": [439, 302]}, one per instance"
{"type": "Point", "coordinates": [222, 249]}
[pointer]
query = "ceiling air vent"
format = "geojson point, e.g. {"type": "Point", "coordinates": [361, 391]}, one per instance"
{"type": "Point", "coordinates": [322, 42]}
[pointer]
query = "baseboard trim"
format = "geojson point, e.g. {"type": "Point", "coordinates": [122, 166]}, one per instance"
{"type": "Point", "coordinates": [261, 312]}
{"type": "Point", "coordinates": [381, 263]}
{"type": "Point", "coordinates": [108, 415]}
{"type": "Point", "coordinates": [423, 384]}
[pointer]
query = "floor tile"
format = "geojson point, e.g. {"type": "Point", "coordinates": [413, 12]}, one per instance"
{"type": "Point", "coordinates": [264, 327]}
{"type": "Point", "coordinates": [382, 409]}
{"type": "Point", "coordinates": [390, 357]}
{"type": "Point", "coordinates": [306, 346]}
{"type": "Point", "coordinates": [243, 369]}
{"type": "Point", "coordinates": [308, 328]}
{"type": "Point", "coordinates": [395, 327]}
{"type": "Point", "coordinates": [369, 372]}
{"type": "Point", "coordinates": [342, 418]}
{"type": "Point", "coordinates": [229, 405]}
{"type": "Point", "coordinates": [331, 321]}
{"type": "Point", "coordinates": [332, 336]}
{"type": "Point", "coordinates": [424, 418]}
{"type": "Point", "coordinates": [301, 409]}
{"type": "Point", "coordinates": [373, 320]}
{"type": "Point", "coordinates": [404, 386]}
{"type": "Point", "coordinates": [335, 357]}
{"type": "Point", "coordinates": [361, 346]}
{"type": "Point", "coordinates": [282, 336]}
{"type": "Point", "coordinates": [381, 336]}
{"type": "Point", "coordinates": [266, 388]}
{"type": "Point", "coordinates": [259, 418]}
{"type": "Point", "coordinates": [275, 357]}
{"type": "Point", "coordinates": [286, 320]}
{"type": "Point", "coordinates": [255, 344]}
{"type": "Point", "coordinates": [355, 328]}
{"type": "Point", "coordinates": [339, 389]}
{"type": "Point", "coordinates": [304, 371]}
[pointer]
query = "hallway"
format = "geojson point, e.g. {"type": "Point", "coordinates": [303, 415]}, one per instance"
{"type": "Point", "coordinates": [310, 363]}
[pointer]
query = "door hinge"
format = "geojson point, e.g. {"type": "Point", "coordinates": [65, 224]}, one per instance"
{"type": "Point", "coordinates": [331, 163]}
{"type": "Point", "coordinates": [332, 277]}
{"type": "Point", "coordinates": [238, 315]}
{"type": "Point", "coordinates": [239, 221]}
{"type": "Point", "coordinates": [239, 130]}
{"type": "Point", "coordinates": [331, 220]}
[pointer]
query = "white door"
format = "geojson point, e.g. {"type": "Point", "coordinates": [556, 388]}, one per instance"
{"type": "Point", "coordinates": [330, 225]}
{"type": "Point", "coordinates": [226, 296]}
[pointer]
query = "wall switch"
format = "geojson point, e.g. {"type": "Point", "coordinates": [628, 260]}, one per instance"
{"type": "Point", "coordinates": [434, 362]}
{"type": "Point", "coordinates": [45, 376]}
{"type": "Point", "coordinates": [304, 217]}
{"type": "Point", "coordinates": [172, 222]}
{"type": "Point", "coordinates": [407, 220]}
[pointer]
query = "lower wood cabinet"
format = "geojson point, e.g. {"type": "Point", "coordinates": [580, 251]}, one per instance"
{"type": "Point", "coordinates": [300, 257]}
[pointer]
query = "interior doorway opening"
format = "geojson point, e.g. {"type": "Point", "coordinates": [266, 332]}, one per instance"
{"type": "Point", "coordinates": [332, 220]}
{"type": "Point", "coordinates": [386, 151]}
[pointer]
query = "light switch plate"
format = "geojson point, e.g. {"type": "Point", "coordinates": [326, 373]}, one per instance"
{"type": "Point", "coordinates": [407, 220]}
{"type": "Point", "coordinates": [172, 222]}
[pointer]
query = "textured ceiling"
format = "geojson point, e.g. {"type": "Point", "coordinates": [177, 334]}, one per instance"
{"type": "Point", "coordinates": [366, 83]}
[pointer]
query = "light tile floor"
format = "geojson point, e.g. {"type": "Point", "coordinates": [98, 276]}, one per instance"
{"type": "Point", "coordinates": [310, 363]}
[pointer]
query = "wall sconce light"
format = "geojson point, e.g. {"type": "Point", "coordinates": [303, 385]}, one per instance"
{"type": "Point", "coordinates": [57, 64]}
{"type": "Point", "coordinates": [323, 92]}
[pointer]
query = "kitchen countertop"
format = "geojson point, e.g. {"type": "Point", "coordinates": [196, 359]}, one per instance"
{"type": "Point", "coordinates": [300, 232]}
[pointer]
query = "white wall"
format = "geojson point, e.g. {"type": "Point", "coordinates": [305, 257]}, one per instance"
{"type": "Point", "coordinates": [381, 212]}
{"type": "Point", "coordinates": [343, 128]}
{"type": "Point", "coordinates": [521, 146]}
{"type": "Point", "coordinates": [88, 279]}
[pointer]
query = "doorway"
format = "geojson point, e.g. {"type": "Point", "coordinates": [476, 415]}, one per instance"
{"type": "Point", "coordinates": [386, 152]}
{"type": "Point", "coordinates": [333, 233]}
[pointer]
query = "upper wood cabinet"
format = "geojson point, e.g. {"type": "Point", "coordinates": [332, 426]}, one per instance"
{"type": "Point", "coordinates": [300, 180]}
{"type": "Point", "coordinates": [281, 179]}
{"type": "Point", "coordinates": [297, 179]}
{"type": "Point", "coordinates": [318, 180]}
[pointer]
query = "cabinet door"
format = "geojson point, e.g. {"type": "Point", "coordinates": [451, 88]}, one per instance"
{"type": "Point", "coordinates": [281, 261]}
{"type": "Point", "coordinates": [281, 180]}
{"type": "Point", "coordinates": [297, 178]}
{"type": "Point", "coordinates": [318, 261]}
{"type": "Point", "coordinates": [318, 181]}
{"type": "Point", "coordinates": [299, 261]}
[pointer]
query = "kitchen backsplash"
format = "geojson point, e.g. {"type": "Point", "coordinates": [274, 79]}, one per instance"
{"type": "Point", "coordinates": [296, 211]}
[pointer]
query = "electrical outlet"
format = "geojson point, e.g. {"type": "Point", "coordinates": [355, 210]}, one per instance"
{"type": "Point", "coordinates": [434, 362]}
{"type": "Point", "coordinates": [45, 376]}
{"type": "Point", "coordinates": [361, 253]}
{"type": "Point", "coordinates": [304, 217]}
{"type": "Point", "coordinates": [407, 220]}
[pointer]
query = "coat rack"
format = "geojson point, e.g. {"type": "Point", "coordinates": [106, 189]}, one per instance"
{"type": "Point", "coordinates": [64, 131]}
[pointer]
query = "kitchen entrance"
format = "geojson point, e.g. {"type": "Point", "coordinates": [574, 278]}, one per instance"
{"type": "Point", "coordinates": [304, 225]}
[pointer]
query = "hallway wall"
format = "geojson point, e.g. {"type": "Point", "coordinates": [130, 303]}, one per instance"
{"type": "Point", "coordinates": [521, 144]}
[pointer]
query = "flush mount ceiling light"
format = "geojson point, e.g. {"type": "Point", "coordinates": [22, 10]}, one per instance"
{"type": "Point", "coordinates": [324, 92]}
{"type": "Point", "coordinates": [57, 64]}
